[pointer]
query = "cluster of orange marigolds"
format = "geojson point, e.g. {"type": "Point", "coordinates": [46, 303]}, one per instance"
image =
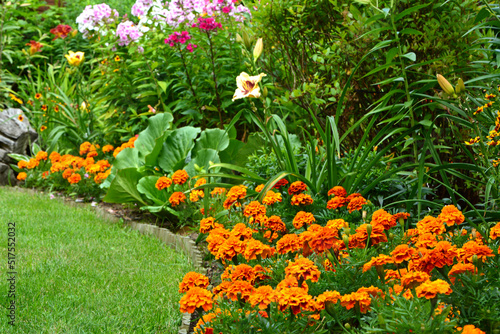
{"type": "Point", "coordinates": [71, 167]}
{"type": "Point", "coordinates": [315, 250]}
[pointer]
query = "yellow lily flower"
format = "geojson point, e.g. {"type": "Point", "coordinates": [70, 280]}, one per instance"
{"type": "Point", "coordinates": [75, 58]}
{"type": "Point", "coordinates": [247, 86]}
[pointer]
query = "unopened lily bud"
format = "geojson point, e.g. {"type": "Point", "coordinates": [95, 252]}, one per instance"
{"type": "Point", "coordinates": [369, 228]}
{"type": "Point", "coordinates": [257, 50]}
{"type": "Point", "coordinates": [460, 87]}
{"type": "Point", "coordinates": [264, 92]}
{"type": "Point", "coordinates": [246, 40]}
{"type": "Point", "coordinates": [239, 39]}
{"type": "Point", "coordinates": [445, 85]}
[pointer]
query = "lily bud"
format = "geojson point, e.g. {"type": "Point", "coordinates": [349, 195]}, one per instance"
{"type": "Point", "coordinates": [239, 39]}
{"type": "Point", "coordinates": [264, 92]}
{"type": "Point", "coordinates": [445, 85]}
{"type": "Point", "coordinates": [257, 50]}
{"type": "Point", "coordinates": [460, 88]}
{"type": "Point", "coordinates": [246, 40]}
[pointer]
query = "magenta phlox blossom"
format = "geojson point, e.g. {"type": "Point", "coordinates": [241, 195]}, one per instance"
{"type": "Point", "coordinates": [177, 38]}
{"type": "Point", "coordinates": [207, 24]}
{"type": "Point", "coordinates": [190, 47]}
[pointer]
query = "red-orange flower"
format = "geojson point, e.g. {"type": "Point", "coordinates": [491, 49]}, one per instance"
{"type": "Point", "coordinates": [494, 231]}
{"type": "Point", "coordinates": [324, 239]}
{"type": "Point", "coordinates": [193, 279]}
{"type": "Point", "coordinates": [271, 198]}
{"type": "Point", "coordinates": [163, 182]}
{"type": "Point", "coordinates": [451, 216]}
{"type": "Point", "coordinates": [460, 268]}
{"type": "Point", "coordinates": [378, 261]}
{"type": "Point", "coordinates": [383, 218]}
{"type": "Point", "coordinates": [208, 224]}
{"type": "Point", "coordinates": [74, 178]}
{"type": "Point", "coordinates": [443, 254]}
{"type": "Point", "coordinates": [254, 209]}
{"type": "Point", "coordinates": [289, 243]}
{"type": "Point", "coordinates": [430, 224]}
{"type": "Point", "coordinates": [337, 191]}
{"type": "Point", "coordinates": [303, 268]}
{"type": "Point", "coordinates": [262, 296]}
{"type": "Point", "coordinates": [22, 164]}
{"type": "Point", "coordinates": [302, 218]}
{"type": "Point", "coordinates": [429, 289]}
{"type": "Point", "coordinates": [177, 198]}
{"type": "Point", "coordinates": [413, 278]}
{"type": "Point", "coordinates": [41, 155]}
{"type": "Point", "coordinates": [471, 329]}
{"type": "Point", "coordinates": [327, 296]}
{"type": "Point", "coordinates": [180, 176]}
{"type": "Point", "coordinates": [241, 289]}
{"type": "Point", "coordinates": [22, 176]}
{"type": "Point", "coordinates": [356, 203]}
{"type": "Point", "coordinates": [362, 299]}
{"type": "Point", "coordinates": [256, 248]}
{"type": "Point", "coordinates": [275, 223]}
{"type": "Point", "coordinates": [231, 247]}
{"type": "Point", "coordinates": [295, 298]}
{"type": "Point", "coordinates": [471, 248]}
{"type": "Point", "coordinates": [259, 188]}
{"type": "Point", "coordinates": [296, 188]}
{"type": "Point", "coordinates": [302, 199]}
{"type": "Point", "coordinates": [196, 298]}
{"type": "Point", "coordinates": [336, 202]}
{"type": "Point", "coordinates": [280, 183]}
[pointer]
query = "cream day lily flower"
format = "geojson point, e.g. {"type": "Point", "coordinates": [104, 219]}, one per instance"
{"type": "Point", "coordinates": [247, 86]}
{"type": "Point", "coordinates": [75, 58]}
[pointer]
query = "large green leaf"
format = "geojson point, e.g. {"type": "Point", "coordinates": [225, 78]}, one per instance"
{"type": "Point", "coordinates": [123, 188]}
{"type": "Point", "coordinates": [215, 139]}
{"type": "Point", "coordinates": [176, 148]}
{"type": "Point", "coordinates": [157, 127]}
{"type": "Point", "coordinates": [231, 155]}
{"type": "Point", "coordinates": [127, 158]}
{"type": "Point", "coordinates": [202, 159]}
{"type": "Point", "coordinates": [147, 187]}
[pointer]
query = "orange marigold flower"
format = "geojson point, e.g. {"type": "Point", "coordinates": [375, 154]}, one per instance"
{"type": "Point", "coordinates": [336, 202]}
{"type": "Point", "coordinates": [256, 248]}
{"type": "Point", "coordinates": [303, 268]}
{"type": "Point", "coordinates": [207, 318]}
{"type": "Point", "coordinates": [74, 178]}
{"type": "Point", "coordinates": [32, 163]}
{"type": "Point", "coordinates": [302, 218]}
{"type": "Point", "coordinates": [231, 247]}
{"type": "Point", "coordinates": [429, 289]}
{"type": "Point", "coordinates": [443, 254]}
{"type": "Point", "coordinates": [430, 224]}
{"type": "Point", "coordinates": [254, 209]}
{"type": "Point", "coordinates": [201, 181]}
{"type": "Point", "coordinates": [352, 196]}
{"type": "Point", "coordinates": [22, 164]}
{"type": "Point", "coordinates": [356, 203]}
{"type": "Point", "coordinates": [402, 253]}
{"type": "Point", "coordinates": [372, 291]}
{"type": "Point", "coordinates": [41, 155]}
{"type": "Point", "coordinates": [337, 191]}
{"type": "Point", "coordinates": [85, 148]}
{"type": "Point", "coordinates": [460, 268]}
{"type": "Point", "coordinates": [378, 261]}
{"type": "Point", "coordinates": [295, 298]}
{"type": "Point", "coordinates": [324, 239]}
{"type": "Point", "coordinates": [241, 289]}
{"type": "Point", "coordinates": [22, 176]}
{"type": "Point", "coordinates": [427, 240]}
{"type": "Point", "coordinates": [241, 231]}
{"type": "Point", "coordinates": [234, 194]}
{"type": "Point", "coordinates": [451, 216]}
{"type": "Point", "coordinates": [67, 173]}
{"type": "Point", "coordinates": [262, 296]}
{"type": "Point", "coordinates": [337, 223]}
{"type": "Point", "coordinates": [271, 198]}
{"type": "Point", "coordinates": [275, 223]}
{"type": "Point", "coordinates": [471, 329]}
{"type": "Point", "coordinates": [218, 191]}
{"type": "Point", "coordinates": [163, 182]}
{"type": "Point", "coordinates": [494, 231]}
{"type": "Point", "coordinates": [358, 240]}
{"type": "Point", "coordinates": [302, 199]}
{"type": "Point", "coordinates": [259, 188]}
{"type": "Point", "coordinates": [289, 243]}
{"type": "Point", "coordinates": [241, 272]}
{"type": "Point", "coordinates": [208, 224]}
{"type": "Point", "coordinates": [102, 176]}
{"type": "Point", "coordinates": [196, 298]}
{"type": "Point", "coordinates": [471, 248]}
{"type": "Point", "coordinates": [280, 183]}
{"type": "Point", "coordinates": [177, 198]}
{"type": "Point", "coordinates": [107, 148]}
{"type": "Point", "coordinates": [180, 176]}
{"type": "Point", "coordinates": [195, 195]}
{"type": "Point", "coordinates": [383, 218]}
{"type": "Point", "coordinates": [193, 279]}
{"type": "Point", "coordinates": [400, 216]}
{"type": "Point", "coordinates": [215, 240]}
{"type": "Point", "coordinates": [261, 273]}
{"type": "Point", "coordinates": [327, 296]}
{"type": "Point", "coordinates": [412, 279]}
{"type": "Point", "coordinates": [362, 299]}
{"type": "Point", "coordinates": [296, 188]}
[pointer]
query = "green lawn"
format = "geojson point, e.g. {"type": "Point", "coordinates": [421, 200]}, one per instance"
{"type": "Point", "coordinates": [80, 274]}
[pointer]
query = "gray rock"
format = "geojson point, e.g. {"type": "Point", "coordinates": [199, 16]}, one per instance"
{"type": "Point", "coordinates": [15, 136]}
{"type": "Point", "coordinates": [6, 175]}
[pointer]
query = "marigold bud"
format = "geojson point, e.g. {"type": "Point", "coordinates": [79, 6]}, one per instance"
{"type": "Point", "coordinates": [369, 228]}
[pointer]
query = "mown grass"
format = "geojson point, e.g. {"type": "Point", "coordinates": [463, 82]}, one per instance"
{"type": "Point", "coordinates": [80, 274]}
